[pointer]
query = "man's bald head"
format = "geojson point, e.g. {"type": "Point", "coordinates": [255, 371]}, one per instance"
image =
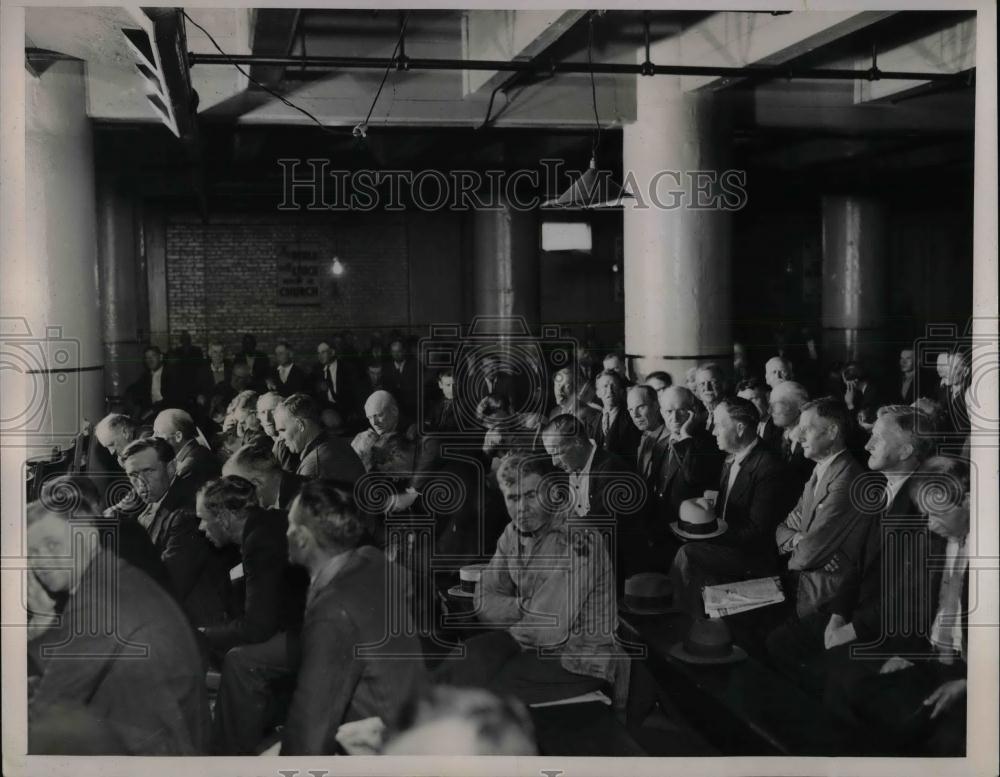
{"type": "Point", "coordinates": [382, 412]}
{"type": "Point", "coordinates": [176, 427]}
{"type": "Point", "coordinates": [777, 370]}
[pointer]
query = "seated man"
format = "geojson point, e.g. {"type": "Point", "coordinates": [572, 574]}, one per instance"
{"type": "Point", "coordinates": [287, 377]}
{"type": "Point", "coordinates": [383, 416]}
{"type": "Point", "coordinates": [557, 643]}
{"type": "Point", "coordinates": [857, 613]}
{"type": "Point", "coordinates": [568, 387]}
{"type": "Point", "coordinates": [353, 666]}
{"type": "Point", "coordinates": [194, 463]}
{"type": "Point", "coordinates": [276, 488]}
{"type": "Point", "coordinates": [712, 388]}
{"type": "Point", "coordinates": [441, 416]}
{"type": "Point", "coordinates": [824, 533]}
{"type": "Point", "coordinates": [690, 465]}
{"type": "Point", "coordinates": [197, 574]}
{"type": "Point", "coordinates": [115, 431]}
{"type": "Point", "coordinates": [917, 703]}
{"type": "Point", "coordinates": [321, 455]}
{"type": "Point", "coordinates": [615, 432]}
{"type": "Point", "coordinates": [754, 494]}
{"type": "Point", "coordinates": [267, 403]}
{"type": "Point", "coordinates": [246, 422]}
{"type": "Point", "coordinates": [758, 392]}
{"type": "Point", "coordinates": [602, 485]}
{"type": "Point", "coordinates": [786, 401]}
{"type": "Point", "coordinates": [157, 388]}
{"type": "Point", "coordinates": [257, 647]}
{"type": "Point", "coordinates": [124, 681]}
{"type": "Point", "coordinates": [214, 375]}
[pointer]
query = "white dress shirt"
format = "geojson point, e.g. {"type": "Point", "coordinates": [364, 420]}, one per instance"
{"type": "Point", "coordinates": [946, 631]}
{"type": "Point", "coordinates": [734, 470]}
{"type": "Point", "coordinates": [580, 483]}
{"type": "Point", "coordinates": [283, 370]}
{"type": "Point", "coordinates": [331, 376]}
{"type": "Point", "coordinates": [156, 385]}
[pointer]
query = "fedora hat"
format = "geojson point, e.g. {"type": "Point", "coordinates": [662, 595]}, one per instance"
{"type": "Point", "coordinates": [708, 641]}
{"type": "Point", "coordinates": [697, 521]}
{"type": "Point", "coordinates": [647, 593]}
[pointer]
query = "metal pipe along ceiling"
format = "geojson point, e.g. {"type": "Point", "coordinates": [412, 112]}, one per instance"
{"type": "Point", "coordinates": [646, 68]}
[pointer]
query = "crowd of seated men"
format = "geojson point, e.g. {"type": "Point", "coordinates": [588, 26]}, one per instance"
{"type": "Point", "coordinates": [295, 530]}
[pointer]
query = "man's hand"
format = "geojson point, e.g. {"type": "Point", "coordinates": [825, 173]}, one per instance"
{"type": "Point", "coordinates": [41, 607]}
{"type": "Point", "coordinates": [403, 501]}
{"type": "Point", "coordinates": [838, 632]}
{"type": "Point", "coordinates": [946, 696]}
{"type": "Point", "coordinates": [851, 393]}
{"type": "Point", "coordinates": [688, 425]}
{"type": "Point", "coordinates": [833, 564]}
{"type": "Point", "coordinates": [894, 664]}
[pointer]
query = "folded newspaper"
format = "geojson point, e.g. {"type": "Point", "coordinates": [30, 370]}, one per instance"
{"type": "Point", "coordinates": [732, 598]}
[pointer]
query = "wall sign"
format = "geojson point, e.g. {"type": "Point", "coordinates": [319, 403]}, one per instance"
{"type": "Point", "coordinates": [300, 275]}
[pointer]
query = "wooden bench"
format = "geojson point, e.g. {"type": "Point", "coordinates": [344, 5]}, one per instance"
{"type": "Point", "coordinates": [591, 728]}
{"type": "Point", "coordinates": [743, 708]}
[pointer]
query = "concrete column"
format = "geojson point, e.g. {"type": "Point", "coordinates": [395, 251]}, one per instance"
{"type": "Point", "coordinates": [53, 360]}
{"type": "Point", "coordinates": [676, 238]}
{"type": "Point", "coordinates": [505, 267]}
{"type": "Point", "coordinates": [855, 266]}
{"type": "Point", "coordinates": [119, 283]}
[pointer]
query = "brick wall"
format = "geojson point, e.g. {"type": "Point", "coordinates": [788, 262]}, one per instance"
{"type": "Point", "coordinates": [221, 277]}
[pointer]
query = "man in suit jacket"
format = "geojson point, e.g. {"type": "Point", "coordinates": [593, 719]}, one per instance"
{"type": "Point", "coordinates": [711, 387]}
{"type": "Point", "coordinates": [856, 612]}
{"type": "Point", "coordinates": [348, 607]}
{"type": "Point", "coordinates": [754, 493]}
{"type": "Point", "coordinates": [297, 420]}
{"type": "Point", "coordinates": [276, 488]}
{"type": "Point", "coordinates": [194, 464]}
{"type": "Point", "coordinates": [757, 391]}
{"type": "Point", "coordinates": [602, 486]}
{"type": "Point", "coordinates": [135, 689]}
{"type": "Point", "coordinates": [914, 698]}
{"type": "Point", "coordinates": [690, 465]}
{"type": "Point", "coordinates": [644, 410]}
{"type": "Point", "coordinates": [332, 380]}
{"type": "Point", "coordinates": [287, 377]}
{"type": "Point", "coordinates": [787, 399]}
{"type": "Point", "coordinates": [824, 533]}
{"type": "Point", "coordinates": [441, 418]}
{"type": "Point", "coordinates": [615, 432]}
{"type": "Point", "coordinates": [214, 375]}
{"type": "Point", "coordinates": [257, 361]}
{"type": "Point", "coordinates": [197, 573]}
{"type": "Point", "coordinates": [400, 377]}
{"type": "Point", "coordinates": [157, 388]}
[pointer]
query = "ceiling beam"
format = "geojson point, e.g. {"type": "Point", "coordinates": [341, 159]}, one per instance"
{"type": "Point", "coordinates": [273, 33]}
{"type": "Point", "coordinates": [946, 51]}
{"type": "Point", "coordinates": [737, 39]}
{"type": "Point", "coordinates": [509, 35]}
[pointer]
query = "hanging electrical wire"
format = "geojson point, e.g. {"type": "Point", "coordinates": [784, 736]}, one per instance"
{"type": "Point", "coordinates": [254, 81]}
{"type": "Point", "coordinates": [361, 130]}
{"type": "Point", "coordinates": [593, 85]}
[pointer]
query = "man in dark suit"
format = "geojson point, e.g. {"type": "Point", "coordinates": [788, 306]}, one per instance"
{"type": "Point", "coordinates": [287, 377]}
{"type": "Point", "coordinates": [615, 432]}
{"type": "Point", "coordinates": [332, 380]}
{"type": "Point", "coordinates": [906, 677]}
{"type": "Point", "coordinates": [185, 361]}
{"type": "Point", "coordinates": [754, 494]}
{"type": "Point", "coordinates": [880, 571]}
{"type": "Point", "coordinates": [644, 410]}
{"type": "Point", "coordinates": [711, 387]}
{"type": "Point", "coordinates": [156, 389]}
{"type": "Point", "coordinates": [197, 573]}
{"type": "Point", "coordinates": [787, 399]}
{"type": "Point", "coordinates": [690, 466]}
{"type": "Point", "coordinates": [823, 534]}
{"type": "Point", "coordinates": [321, 455]}
{"type": "Point", "coordinates": [136, 688]}
{"type": "Point", "coordinates": [603, 486]}
{"type": "Point", "coordinates": [567, 387]}
{"type": "Point", "coordinates": [401, 379]}
{"type": "Point", "coordinates": [256, 647]}
{"type": "Point", "coordinates": [758, 393]}
{"type": "Point", "coordinates": [257, 361]}
{"type": "Point", "coordinates": [214, 375]}
{"type": "Point", "coordinates": [349, 605]}
{"type": "Point", "coordinates": [276, 487]}
{"type": "Point", "coordinates": [195, 464]}
{"type": "Point", "coordinates": [441, 416]}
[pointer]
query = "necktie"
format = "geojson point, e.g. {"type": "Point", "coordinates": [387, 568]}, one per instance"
{"type": "Point", "coordinates": [728, 471]}
{"type": "Point", "coordinates": [607, 424]}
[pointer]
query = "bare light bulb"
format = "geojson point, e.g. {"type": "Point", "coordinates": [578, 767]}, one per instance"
{"type": "Point", "coordinates": [337, 268]}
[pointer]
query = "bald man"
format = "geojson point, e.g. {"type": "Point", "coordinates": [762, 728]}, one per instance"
{"type": "Point", "coordinates": [787, 399]}
{"type": "Point", "coordinates": [195, 463]}
{"type": "Point", "coordinates": [383, 416]}
{"type": "Point", "coordinates": [777, 370]}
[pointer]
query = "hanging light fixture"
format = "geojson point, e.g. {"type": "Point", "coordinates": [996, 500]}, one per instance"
{"type": "Point", "coordinates": [594, 189]}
